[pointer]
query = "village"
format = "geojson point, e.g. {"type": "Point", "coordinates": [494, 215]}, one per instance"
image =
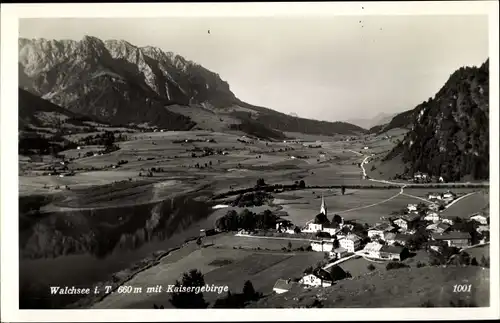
{"type": "Point", "coordinates": [419, 227]}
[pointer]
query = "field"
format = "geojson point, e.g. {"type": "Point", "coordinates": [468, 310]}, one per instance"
{"type": "Point", "coordinates": [413, 287]}
{"type": "Point", "coordinates": [365, 205]}
{"type": "Point", "coordinates": [220, 265]}
{"type": "Point", "coordinates": [468, 205]}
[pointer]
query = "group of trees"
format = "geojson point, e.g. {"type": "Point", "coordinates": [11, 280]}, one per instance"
{"type": "Point", "coordinates": [194, 278]}
{"type": "Point", "coordinates": [246, 220]}
{"type": "Point", "coordinates": [323, 219]}
{"type": "Point", "coordinates": [252, 199]}
{"type": "Point", "coordinates": [238, 300]}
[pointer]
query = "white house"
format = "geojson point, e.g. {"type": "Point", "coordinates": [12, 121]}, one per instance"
{"type": "Point", "coordinates": [322, 246]}
{"type": "Point", "coordinates": [282, 286]}
{"type": "Point", "coordinates": [434, 196]}
{"type": "Point", "coordinates": [372, 249]}
{"type": "Point", "coordinates": [412, 207]}
{"type": "Point", "coordinates": [432, 216]}
{"type": "Point", "coordinates": [330, 229]}
{"type": "Point", "coordinates": [479, 218]}
{"type": "Point", "coordinates": [351, 242]}
{"type": "Point", "coordinates": [313, 227]}
{"type": "Point", "coordinates": [313, 280]}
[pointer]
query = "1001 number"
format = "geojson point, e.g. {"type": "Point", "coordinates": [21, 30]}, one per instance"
{"type": "Point", "coordinates": [462, 288]}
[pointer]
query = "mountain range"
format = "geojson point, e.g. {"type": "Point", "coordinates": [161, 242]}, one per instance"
{"type": "Point", "coordinates": [118, 83]}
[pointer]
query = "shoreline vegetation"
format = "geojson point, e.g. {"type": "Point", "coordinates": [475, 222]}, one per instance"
{"type": "Point", "coordinates": [130, 272]}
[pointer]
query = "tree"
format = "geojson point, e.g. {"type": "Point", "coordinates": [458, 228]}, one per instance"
{"type": "Point", "coordinates": [321, 219]}
{"type": "Point", "coordinates": [296, 230]}
{"type": "Point", "coordinates": [289, 245]}
{"type": "Point", "coordinates": [474, 262]}
{"type": "Point", "coordinates": [182, 299]}
{"type": "Point", "coordinates": [249, 292]}
{"type": "Point", "coordinates": [302, 184]}
{"type": "Point", "coordinates": [371, 267]}
{"type": "Point", "coordinates": [337, 219]}
{"type": "Point", "coordinates": [261, 182]}
{"type": "Point", "coordinates": [198, 241]}
{"type": "Point", "coordinates": [343, 190]}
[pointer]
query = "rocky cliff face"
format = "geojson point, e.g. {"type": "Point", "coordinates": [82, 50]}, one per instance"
{"type": "Point", "coordinates": [449, 133]}
{"type": "Point", "coordinates": [116, 81]}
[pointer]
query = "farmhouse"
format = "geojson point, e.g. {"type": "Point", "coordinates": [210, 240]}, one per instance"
{"type": "Point", "coordinates": [372, 249]}
{"type": "Point", "coordinates": [449, 195]}
{"type": "Point", "coordinates": [393, 253]}
{"type": "Point", "coordinates": [351, 242]}
{"type": "Point", "coordinates": [379, 230]}
{"type": "Point", "coordinates": [480, 218]}
{"type": "Point", "coordinates": [454, 239]}
{"type": "Point", "coordinates": [316, 279]}
{"type": "Point", "coordinates": [432, 216]}
{"type": "Point", "coordinates": [282, 286]}
{"type": "Point", "coordinates": [407, 221]}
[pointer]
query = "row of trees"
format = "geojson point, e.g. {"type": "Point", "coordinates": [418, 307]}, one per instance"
{"type": "Point", "coordinates": [252, 199]}
{"type": "Point", "coordinates": [247, 220]}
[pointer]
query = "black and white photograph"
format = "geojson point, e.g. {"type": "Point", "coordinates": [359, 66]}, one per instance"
{"type": "Point", "coordinates": [334, 159]}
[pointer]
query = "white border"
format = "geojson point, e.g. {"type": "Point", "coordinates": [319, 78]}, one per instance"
{"type": "Point", "coordinates": [9, 164]}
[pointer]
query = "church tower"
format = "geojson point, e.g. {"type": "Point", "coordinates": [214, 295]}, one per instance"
{"type": "Point", "coordinates": [323, 206]}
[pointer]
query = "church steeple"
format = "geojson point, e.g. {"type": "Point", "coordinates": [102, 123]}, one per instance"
{"type": "Point", "coordinates": [323, 206]}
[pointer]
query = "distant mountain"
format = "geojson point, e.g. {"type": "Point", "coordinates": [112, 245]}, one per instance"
{"type": "Point", "coordinates": [119, 83]}
{"type": "Point", "coordinates": [449, 134]}
{"type": "Point", "coordinates": [379, 119]}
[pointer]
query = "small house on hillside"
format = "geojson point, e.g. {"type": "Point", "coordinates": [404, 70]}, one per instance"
{"type": "Point", "coordinates": [322, 246]}
{"type": "Point", "coordinates": [316, 279]}
{"type": "Point", "coordinates": [482, 219]}
{"type": "Point", "coordinates": [282, 286]}
{"type": "Point", "coordinates": [393, 253]}
{"type": "Point", "coordinates": [454, 239]}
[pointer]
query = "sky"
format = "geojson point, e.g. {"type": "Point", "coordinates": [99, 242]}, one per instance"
{"type": "Point", "coordinates": [326, 68]}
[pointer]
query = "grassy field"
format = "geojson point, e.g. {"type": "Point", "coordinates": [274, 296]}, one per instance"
{"type": "Point", "coordinates": [395, 288]}
{"type": "Point", "coordinates": [468, 205]}
{"type": "Point", "coordinates": [220, 266]}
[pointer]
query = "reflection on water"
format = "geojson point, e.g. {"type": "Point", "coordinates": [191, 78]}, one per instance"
{"type": "Point", "coordinates": [80, 248]}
